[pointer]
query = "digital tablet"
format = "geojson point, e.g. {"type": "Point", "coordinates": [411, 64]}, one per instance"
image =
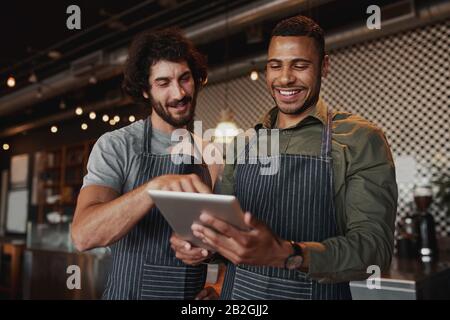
{"type": "Point", "coordinates": [182, 209]}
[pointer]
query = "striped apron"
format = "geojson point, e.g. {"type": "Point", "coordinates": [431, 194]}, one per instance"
{"type": "Point", "coordinates": [143, 264]}
{"type": "Point", "coordinates": [297, 204]}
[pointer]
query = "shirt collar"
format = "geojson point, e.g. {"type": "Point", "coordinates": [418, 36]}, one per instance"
{"type": "Point", "coordinates": [318, 112]}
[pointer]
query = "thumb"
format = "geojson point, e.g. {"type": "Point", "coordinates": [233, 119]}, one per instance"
{"type": "Point", "coordinates": [250, 220]}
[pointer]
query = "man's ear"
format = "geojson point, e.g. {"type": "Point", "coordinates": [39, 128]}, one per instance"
{"type": "Point", "coordinates": [145, 94]}
{"type": "Point", "coordinates": [325, 65]}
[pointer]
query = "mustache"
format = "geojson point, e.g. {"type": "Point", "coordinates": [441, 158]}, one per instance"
{"type": "Point", "coordinates": [184, 100]}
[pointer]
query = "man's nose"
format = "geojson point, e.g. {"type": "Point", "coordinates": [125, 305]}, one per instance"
{"type": "Point", "coordinates": [287, 77]}
{"type": "Point", "coordinates": [178, 92]}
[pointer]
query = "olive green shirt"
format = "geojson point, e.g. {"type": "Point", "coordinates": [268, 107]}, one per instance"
{"type": "Point", "coordinates": [365, 192]}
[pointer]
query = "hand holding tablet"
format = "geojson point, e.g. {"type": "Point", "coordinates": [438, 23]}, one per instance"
{"type": "Point", "coordinates": [182, 209]}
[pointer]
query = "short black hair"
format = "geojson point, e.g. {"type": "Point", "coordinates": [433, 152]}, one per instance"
{"type": "Point", "coordinates": [148, 48]}
{"type": "Point", "coordinates": [301, 26]}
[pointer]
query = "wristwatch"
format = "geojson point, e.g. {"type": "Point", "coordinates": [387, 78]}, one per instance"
{"type": "Point", "coordinates": [295, 260]}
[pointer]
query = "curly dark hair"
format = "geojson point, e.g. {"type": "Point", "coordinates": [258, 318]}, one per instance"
{"type": "Point", "coordinates": [302, 26]}
{"type": "Point", "coordinates": [150, 47]}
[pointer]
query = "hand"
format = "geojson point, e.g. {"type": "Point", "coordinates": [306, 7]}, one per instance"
{"type": "Point", "coordinates": [181, 183]}
{"type": "Point", "coordinates": [208, 293]}
{"type": "Point", "coordinates": [255, 246]}
{"type": "Point", "coordinates": [187, 253]}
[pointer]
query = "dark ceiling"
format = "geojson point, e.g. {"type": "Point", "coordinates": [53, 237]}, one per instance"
{"type": "Point", "coordinates": [30, 29]}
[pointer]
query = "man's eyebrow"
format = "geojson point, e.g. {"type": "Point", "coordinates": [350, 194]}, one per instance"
{"type": "Point", "coordinates": [168, 78]}
{"type": "Point", "coordinates": [162, 79]}
{"type": "Point", "coordinates": [301, 60]}
{"type": "Point", "coordinates": [292, 61]}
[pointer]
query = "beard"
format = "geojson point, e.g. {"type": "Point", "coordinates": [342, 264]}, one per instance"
{"type": "Point", "coordinates": [180, 122]}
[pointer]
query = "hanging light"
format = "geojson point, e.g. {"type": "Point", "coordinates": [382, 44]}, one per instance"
{"type": "Point", "coordinates": [226, 129]}
{"type": "Point", "coordinates": [53, 54]}
{"type": "Point", "coordinates": [225, 132]}
{"type": "Point", "coordinates": [116, 118]}
{"type": "Point", "coordinates": [39, 93]}
{"type": "Point", "coordinates": [33, 77]}
{"type": "Point", "coordinates": [79, 111]}
{"type": "Point", "coordinates": [84, 126]}
{"type": "Point", "coordinates": [62, 105]}
{"type": "Point", "coordinates": [11, 82]}
{"type": "Point", "coordinates": [92, 115]}
{"type": "Point", "coordinates": [112, 122]}
{"type": "Point", "coordinates": [131, 118]}
{"type": "Point", "coordinates": [92, 80]}
{"type": "Point", "coordinates": [5, 146]}
{"type": "Point", "coordinates": [54, 129]}
{"type": "Point", "coordinates": [105, 118]}
{"type": "Point", "coordinates": [254, 75]}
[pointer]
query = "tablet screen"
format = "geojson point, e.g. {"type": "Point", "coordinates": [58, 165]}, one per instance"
{"type": "Point", "coordinates": [182, 209]}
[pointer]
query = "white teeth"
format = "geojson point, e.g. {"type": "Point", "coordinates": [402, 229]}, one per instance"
{"type": "Point", "coordinates": [288, 93]}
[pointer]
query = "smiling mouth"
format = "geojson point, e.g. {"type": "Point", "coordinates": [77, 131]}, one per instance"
{"type": "Point", "coordinates": [181, 106]}
{"type": "Point", "coordinates": [288, 93]}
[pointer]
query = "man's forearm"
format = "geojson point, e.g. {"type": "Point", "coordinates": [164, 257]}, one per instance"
{"type": "Point", "coordinates": [105, 223]}
{"type": "Point", "coordinates": [307, 247]}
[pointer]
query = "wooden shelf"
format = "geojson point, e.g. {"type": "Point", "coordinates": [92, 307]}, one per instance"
{"type": "Point", "coordinates": [70, 165]}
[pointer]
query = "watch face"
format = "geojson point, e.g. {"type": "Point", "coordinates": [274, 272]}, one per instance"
{"type": "Point", "coordinates": [294, 262]}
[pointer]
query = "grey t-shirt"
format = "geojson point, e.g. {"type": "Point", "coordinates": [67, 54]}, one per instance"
{"type": "Point", "coordinates": [113, 161]}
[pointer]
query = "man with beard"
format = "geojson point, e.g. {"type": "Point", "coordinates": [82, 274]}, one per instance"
{"type": "Point", "coordinates": [328, 213]}
{"type": "Point", "coordinates": [166, 72]}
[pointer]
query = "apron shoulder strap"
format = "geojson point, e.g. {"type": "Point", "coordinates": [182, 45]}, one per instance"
{"type": "Point", "coordinates": [325, 150]}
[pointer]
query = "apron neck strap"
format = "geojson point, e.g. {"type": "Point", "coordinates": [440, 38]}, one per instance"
{"type": "Point", "coordinates": [147, 135]}
{"type": "Point", "coordinates": [325, 149]}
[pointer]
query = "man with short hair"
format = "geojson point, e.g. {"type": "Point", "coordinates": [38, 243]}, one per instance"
{"type": "Point", "coordinates": [329, 211]}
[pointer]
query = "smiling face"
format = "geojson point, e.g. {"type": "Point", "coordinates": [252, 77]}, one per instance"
{"type": "Point", "coordinates": [293, 73]}
{"type": "Point", "coordinates": [172, 92]}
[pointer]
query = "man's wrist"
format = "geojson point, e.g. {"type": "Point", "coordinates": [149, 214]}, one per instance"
{"type": "Point", "coordinates": [144, 192]}
{"type": "Point", "coordinates": [281, 254]}
{"type": "Point", "coordinates": [304, 265]}
{"type": "Point", "coordinates": [295, 260]}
